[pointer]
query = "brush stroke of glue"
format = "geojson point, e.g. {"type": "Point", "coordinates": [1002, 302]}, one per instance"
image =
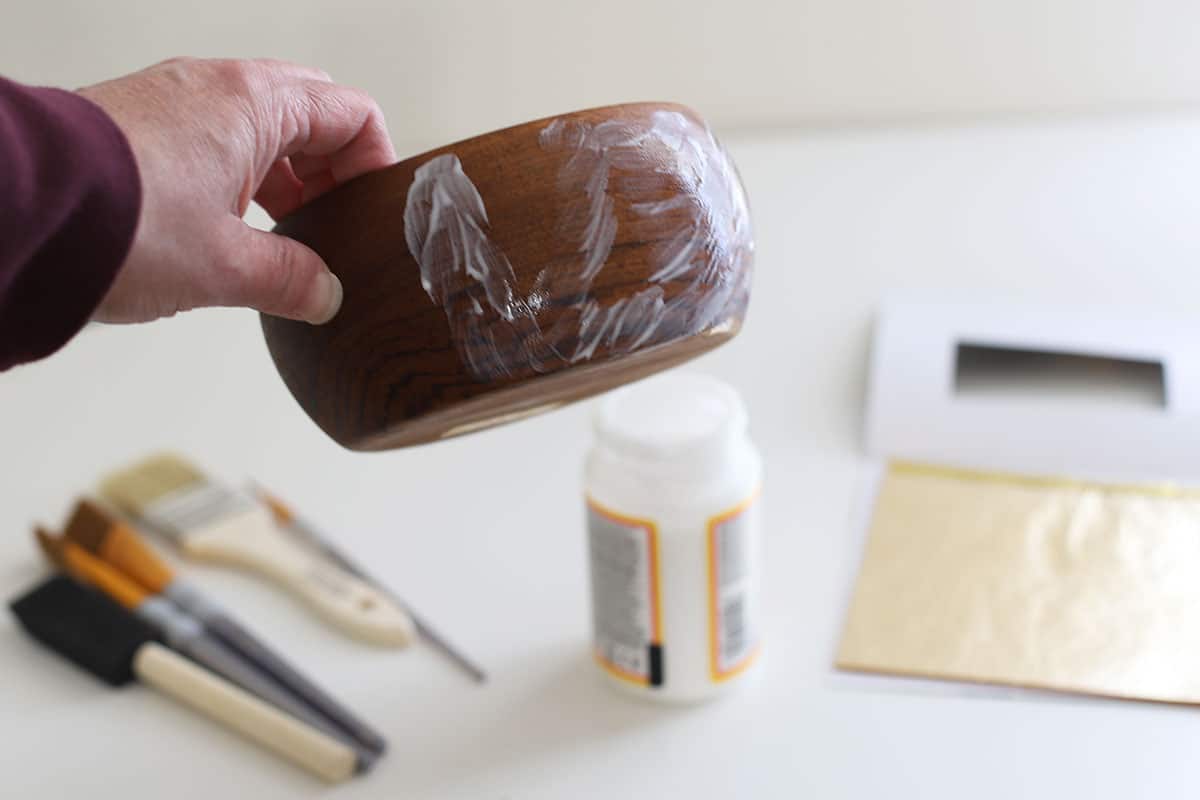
{"type": "Point", "coordinates": [466, 273]}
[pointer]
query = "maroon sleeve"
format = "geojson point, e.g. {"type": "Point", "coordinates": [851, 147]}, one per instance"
{"type": "Point", "coordinates": [69, 203]}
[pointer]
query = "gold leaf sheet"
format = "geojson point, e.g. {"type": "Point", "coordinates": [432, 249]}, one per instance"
{"type": "Point", "coordinates": [1038, 582]}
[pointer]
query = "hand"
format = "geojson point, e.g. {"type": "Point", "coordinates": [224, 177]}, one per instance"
{"type": "Point", "coordinates": [208, 137]}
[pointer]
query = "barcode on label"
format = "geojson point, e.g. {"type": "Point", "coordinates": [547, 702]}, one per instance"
{"type": "Point", "coordinates": [733, 627]}
{"type": "Point", "coordinates": [732, 564]}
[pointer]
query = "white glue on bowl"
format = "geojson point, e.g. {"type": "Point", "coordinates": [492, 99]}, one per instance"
{"type": "Point", "coordinates": [672, 485]}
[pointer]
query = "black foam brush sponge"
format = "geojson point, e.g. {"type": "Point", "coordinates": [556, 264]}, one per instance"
{"type": "Point", "coordinates": [85, 626]}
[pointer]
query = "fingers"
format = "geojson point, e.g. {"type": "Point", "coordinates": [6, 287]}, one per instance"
{"type": "Point", "coordinates": [340, 123]}
{"type": "Point", "coordinates": [270, 68]}
{"type": "Point", "coordinates": [328, 135]}
{"type": "Point", "coordinates": [292, 182]}
{"type": "Point", "coordinates": [315, 173]}
{"type": "Point", "coordinates": [296, 70]}
{"type": "Point", "coordinates": [281, 191]}
{"type": "Point", "coordinates": [278, 276]}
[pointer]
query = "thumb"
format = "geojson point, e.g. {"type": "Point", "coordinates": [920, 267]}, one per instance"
{"type": "Point", "coordinates": [280, 276]}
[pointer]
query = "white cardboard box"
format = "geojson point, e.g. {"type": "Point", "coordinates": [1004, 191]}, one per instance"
{"type": "Point", "coordinates": [1098, 420]}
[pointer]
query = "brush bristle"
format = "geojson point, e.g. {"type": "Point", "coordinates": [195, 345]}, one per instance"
{"type": "Point", "coordinates": [84, 626]}
{"type": "Point", "coordinates": [50, 545]}
{"type": "Point", "coordinates": [134, 488]}
{"type": "Point", "coordinates": [89, 525]}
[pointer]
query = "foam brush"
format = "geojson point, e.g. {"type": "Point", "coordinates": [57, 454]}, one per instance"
{"type": "Point", "coordinates": [118, 544]}
{"type": "Point", "coordinates": [181, 631]}
{"type": "Point", "coordinates": [106, 640]}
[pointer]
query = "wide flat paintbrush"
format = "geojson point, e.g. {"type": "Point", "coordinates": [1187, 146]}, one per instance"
{"type": "Point", "coordinates": [118, 544]}
{"type": "Point", "coordinates": [213, 522]}
{"type": "Point", "coordinates": [115, 646]}
{"type": "Point", "coordinates": [184, 633]}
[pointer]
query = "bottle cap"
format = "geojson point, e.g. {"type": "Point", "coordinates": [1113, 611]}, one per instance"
{"type": "Point", "coordinates": [671, 417]}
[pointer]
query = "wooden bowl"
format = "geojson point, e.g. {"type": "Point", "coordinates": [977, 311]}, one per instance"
{"type": "Point", "coordinates": [511, 273]}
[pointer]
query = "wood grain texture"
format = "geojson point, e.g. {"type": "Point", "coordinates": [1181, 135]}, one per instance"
{"type": "Point", "coordinates": [560, 258]}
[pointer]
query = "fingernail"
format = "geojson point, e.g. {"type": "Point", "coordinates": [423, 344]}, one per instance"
{"type": "Point", "coordinates": [333, 298]}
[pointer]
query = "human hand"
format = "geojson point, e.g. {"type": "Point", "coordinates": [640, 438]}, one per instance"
{"type": "Point", "coordinates": [209, 136]}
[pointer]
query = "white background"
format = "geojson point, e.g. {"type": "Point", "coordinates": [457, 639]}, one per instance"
{"type": "Point", "coordinates": [484, 534]}
{"type": "Point", "coordinates": [448, 69]}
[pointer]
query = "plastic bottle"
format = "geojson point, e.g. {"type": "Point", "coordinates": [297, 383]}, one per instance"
{"type": "Point", "coordinates": [672, 485]}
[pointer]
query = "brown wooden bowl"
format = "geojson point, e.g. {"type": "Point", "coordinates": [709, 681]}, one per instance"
{"type": "Point", "coordinates": [511, 273]}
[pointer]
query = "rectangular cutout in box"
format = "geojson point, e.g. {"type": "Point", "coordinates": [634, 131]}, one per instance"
{"type": "Point", "coordinates": [1059, 390]}
{"type": "Point", "coordinates": [1015, 373]}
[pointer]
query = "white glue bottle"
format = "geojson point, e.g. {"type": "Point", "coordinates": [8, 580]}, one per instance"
{"type": "Point", "coordinates": [672, 486]}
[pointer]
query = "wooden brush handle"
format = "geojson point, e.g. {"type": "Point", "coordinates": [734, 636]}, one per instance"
{"type": "Point", "coordinates": [185, 633]}
{"type": "Point", "coordinates": [223, 660]}
{"type": "Point", "coordinates": [252, 541]}
{"type": "Point", "coordinates": [194, 686]}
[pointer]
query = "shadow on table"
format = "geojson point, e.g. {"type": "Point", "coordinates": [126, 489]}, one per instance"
{"type": "Point", "coordinates": [566, 706]}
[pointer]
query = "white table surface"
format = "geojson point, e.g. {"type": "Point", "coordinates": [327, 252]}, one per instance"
{"type": "Point", "coordinates": [483, 534]}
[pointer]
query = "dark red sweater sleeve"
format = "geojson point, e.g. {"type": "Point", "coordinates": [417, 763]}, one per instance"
{"type": "Point", "coordinates": [69, 204]}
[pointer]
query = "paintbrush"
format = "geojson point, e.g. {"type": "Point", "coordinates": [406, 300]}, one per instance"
{"type": "Point", "coordinates": [213, 522]}
{"type": "Point", "coordinates": [115, 646]}
{"type": "Point", "coordinates": [301, 528]}
{"type": "Point", "coordinates": [102, 534]}
{"type": "Point", "coordinates": [183, 632]}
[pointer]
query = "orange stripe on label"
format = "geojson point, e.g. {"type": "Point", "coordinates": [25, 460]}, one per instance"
{"type": "Point", "coordinates": [655, 605]}
{"type": "Point", "coordinates": [713, 639]}
{"type": "Point", "coordinates": [619, 672]}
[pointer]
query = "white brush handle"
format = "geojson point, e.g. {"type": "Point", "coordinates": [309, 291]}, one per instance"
{"type": "Point", "coordinates": [251, 539]}
{"type": "Point", "coordinates": [194, 686]}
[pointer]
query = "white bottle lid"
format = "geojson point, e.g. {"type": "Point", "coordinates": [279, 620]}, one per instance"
{"type": "Point", "coordinates": [672, 417]}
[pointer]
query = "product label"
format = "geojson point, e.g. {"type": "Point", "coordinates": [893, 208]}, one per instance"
{"type": "Point", "coordinates": [626, 607]}
{"type": "Point", "coordinates": [732, 631]}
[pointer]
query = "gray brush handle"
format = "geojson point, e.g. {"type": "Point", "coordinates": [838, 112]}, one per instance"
{"type": "Point", "coordinates": [184, 631]}
{"type": "Point", "coordinates": [252, 648]}
{"type": "Point", "coordinates": [223, 626]}
{"type": "Point", "coordinates": [253, 662]}
{"type": "Point", "coordinates": [225, 661]}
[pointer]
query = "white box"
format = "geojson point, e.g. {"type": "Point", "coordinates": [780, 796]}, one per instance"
{"type": "Point", "coordinates": [1111, 428]}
